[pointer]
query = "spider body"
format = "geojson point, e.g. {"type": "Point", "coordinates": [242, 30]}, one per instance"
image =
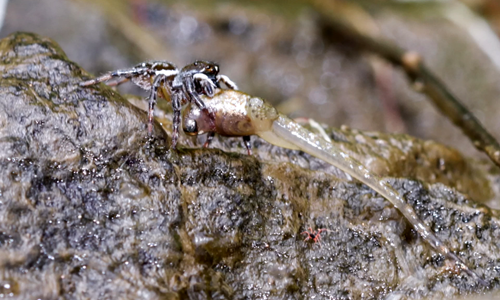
{"type": "Point", "coordinates": [313, 235]}
{"type": "Point", "coordinates": [185, 85]}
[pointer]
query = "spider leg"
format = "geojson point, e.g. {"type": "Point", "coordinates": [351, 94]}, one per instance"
{"type": "Point", "coordinates": [127, 73]}
{"type": "Point", "coordinates": [206, 84]}
{"type": "Point", "coordinates": [176, 121]}
{"type": "Point", "coordinates": [210, 137]}
{"type": "Point", "coordinates": [308, 237]}
{"type": "Point", "coordinates": [246, 140]}
{"type": "Point", "coordinates": [194, 96]}
{"type": "Point", "coordinates": [102, 78]}
{"type": "Point", "coordinates": [118, 82]}
{"type": "Point", "coordinates": [158, 81]}
{"type": "Point", "coordinates": [318, 241]}
{"type": "Point", "coordinates": [228, 82]}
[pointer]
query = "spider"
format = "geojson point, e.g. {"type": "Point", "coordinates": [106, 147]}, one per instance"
{"type": "Point", "coordinates": [315, 236]}
{"type": "Point", "coordinates": [186, 85]}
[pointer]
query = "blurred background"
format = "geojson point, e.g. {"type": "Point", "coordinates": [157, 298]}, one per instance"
{"type": "Point", "coordinates": [282, 51]}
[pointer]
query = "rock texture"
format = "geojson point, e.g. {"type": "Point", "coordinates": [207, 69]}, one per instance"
{"type": "Point", "coordinates": [91, 208]}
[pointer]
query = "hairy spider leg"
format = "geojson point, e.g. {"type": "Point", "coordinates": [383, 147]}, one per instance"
{"type": "Point", "coordinates": [190, 90]}
{"type": "Point", "coordinates": [308, 235]}
{"type": "Point", "coordinates": [246, 141]}
{"type": "Point", "coordinates": [127, 73]}
{"type": "Point", "coordinates": [210, 137]}
{"type": "Point", "coordinates": [118, 82]}
{"type": "Point", "coordinates": [176, 98]}
{"type": "Point", "coordinates": [158, 81]}
{"type": "Point", "coordinates": [228, 82]}
{"type": "Point", "coordinates": [207, 85]}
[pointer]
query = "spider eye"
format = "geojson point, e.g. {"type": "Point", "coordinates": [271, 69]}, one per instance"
{"type": "Point", "coordinates": [190, 127]}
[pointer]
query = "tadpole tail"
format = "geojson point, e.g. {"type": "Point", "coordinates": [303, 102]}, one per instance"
{"type": "Point", "coordinates": [466, 270]}
{"type": "Point", "coordinates": [285, 131]}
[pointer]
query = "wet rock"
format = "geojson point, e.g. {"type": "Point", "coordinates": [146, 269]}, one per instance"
{"type": "Point", "coordinates": [91, 207]}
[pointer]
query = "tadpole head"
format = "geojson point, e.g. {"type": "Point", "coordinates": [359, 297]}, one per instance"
{"type": "Point", "coordinates": [196, 121]}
